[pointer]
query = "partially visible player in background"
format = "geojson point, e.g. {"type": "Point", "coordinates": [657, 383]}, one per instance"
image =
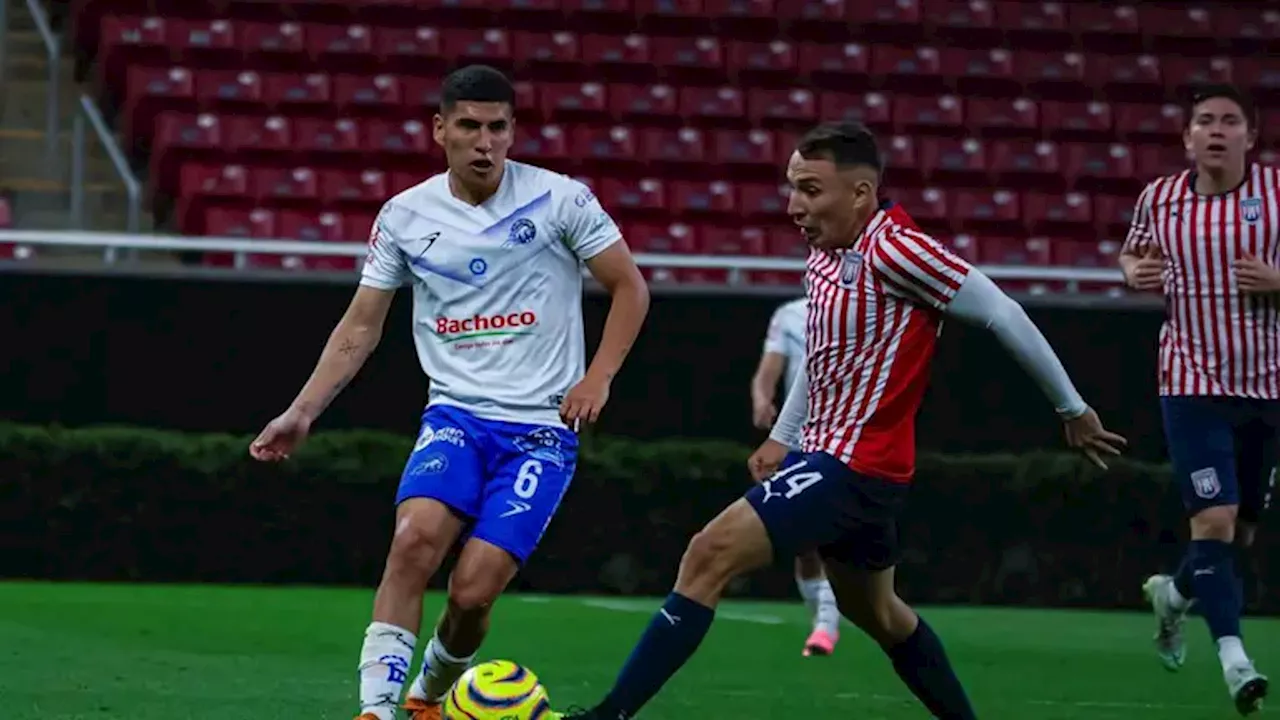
{"type": "Point", "coordinates": [494, 250]}
{"type": "Point", "coordinates": [783, 360]}
{"type": "Point", "coordinates": [1209, 239]}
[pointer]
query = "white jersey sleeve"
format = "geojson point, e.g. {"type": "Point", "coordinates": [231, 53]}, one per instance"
{"type": "Point", "coordinates": [584, 226]}
{"type": "Point", "coordinates": [385, 267]}
{"type": "Point", "coordinates": [775, 340]}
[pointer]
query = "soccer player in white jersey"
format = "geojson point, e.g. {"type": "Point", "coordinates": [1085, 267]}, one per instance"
{"type": "Point", "coordinates": [493, 249]}
{"type": "Point", "coordinates": [783, 359]}
{"type": "Point", "coordinates": [878, 290]}
{"type": "Point", "coordinates": [1208, 238]}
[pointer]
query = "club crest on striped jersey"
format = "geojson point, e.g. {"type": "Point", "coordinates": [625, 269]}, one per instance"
{"type": "Point", "coordinates": [1251, 209]}
{"type": "Point", "coordinates": [850, 261]}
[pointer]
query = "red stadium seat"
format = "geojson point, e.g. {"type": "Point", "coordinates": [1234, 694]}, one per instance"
{"type": "Point", "coordinates": [1016, 251]}
{"type": "Point", "coordinates": [902, 159]}
{"type": "Point", "coordinates": [1153, 161]}
{"type": "Point", "coordinates": [1181, 73]}
{"type": "Point", "coordinates": [986, 207]}
{"type": "Point", "coordinates": [930, 207]}
{"type": "Point", "coordinates": [773, 62]}
{"type": "Point", "coordinates": [952, 161]}
{"type": "Point", "coordinates": [943, 114]}
{"type": "Point", "coordinates": [1024, 162]}
{"type": "Point", "coordinates": [1084, 253]}
{"type": "Point", "coordinates": [653, 103]}
{"type": "Point", "coordinates": [901, 19]}
{"type": "Point", "coordinates": [716, 105]}
{"type": "Point", "coordinates": [1127, 76]}
{"type": "Point", "coordinates": [916, 69]}
{"type": "Point", "coordinates": [276, 187]}
{"type": "Point", "coordinates": [546, 144]}
{"type": "Point", "coordinates": [980, 71]}
{"type": "Point", "coordinates": [343, 48]}
{"type": "Point", "coordinates": [397, 142]}
{"type": "Point", "coordinates": [257, 138]}
{"type": "Point", "coordinates": [835, 66]}
{"type": "Point", "coordinates": [749, 240]}
{"type": "Point", "coordinates": [870, 109]}
{"type": "Point", "coordinates": [275, 46]}
{"type": "Point", "coordinates": [961, 21]}
{"type": "Point", "coordinates": [369, 188]}
{"type": "Point", "coordinates": [672, 238]}
{"type": "Point", "coordinates": [1107, 28]}
{"type": "Point", "coordinates": [753, 148]}
{"type": "Point", "coordinates": [1069, 213]}
{"type": "Point", "coordinates": [967, 247]}
{"type": "Point", "coordinates": [1254, 23]}
{"type": "Point", "coordinates": [407, 48]}
{"type": "Point", "coordinates": [230, 91]}
{"type": "Point", "coordinates": [491, 46]}
{"type": "Point", "coordinates": [677, 148]}
{"type": "Point", "coordinates": [257, 223]}
{"type": "Point", "coordinates": [548, 55]}
{"type": "Point", "coordinates": [313, 227]}
{"type": "Point", "coordinates": [179, 138]}
{"type": "Point", "coordinates": [1053, 74]}
{"type": "Point", "coordinates": [1099, 166]}
{"type": "Point", "coordinates": [151, 90]}
{"type": "Point", "coordinates": [1016, 116]}
{"type": "Point", "coordinates": [628, 58]}
{"type": "Point", "coordinates": [1176, 29]}
{"type": "Point", "coordinates": [763, 202]}
{"type": "Point", "coordinates": [126, 42]}
{"type": "Point", "coordinates": [609, 146]}
{"type": "Point", "coordinates": [1160, 123]}
{"type": "Point", "coordinates": [642, 195]}
{"type": "Point", "coordinates": [782, 107]}
{"type": "Point", "coordinates": [291, 94]}
{"type": "Point", "coordinates": [584, 101]}
{"type": "Point", "coordinates": [1037, 24]}
{"type": "Point", "coordinates": [690, 59]}
{"type": "Point", "coordinates": [703, 198]}
{"type": "Point", "coordinates": [204, 43]}
{"type": "Point", "coordinates": [1113, 214]}
{"type": "Point", "coordinates": [744, 17]}
{"type": "Point", "coordinates": [1088, 121]}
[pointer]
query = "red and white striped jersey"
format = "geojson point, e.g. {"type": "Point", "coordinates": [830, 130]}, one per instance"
{"type": "Point", "coordinates": [1215, 339]}
{"type": "Point", "coordinates": [875, 310]}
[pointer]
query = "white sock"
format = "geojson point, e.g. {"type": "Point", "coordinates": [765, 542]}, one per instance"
{"type": "Point", "coordinates": [1176, 601]}
{"type": "Point", "coordinates": [384, 668]}
{"type": "Point", "coordinates": [440, 670]}
{"type": "Point", "coordinates": [809, 593]}
{"type": "Point", "coordinates": [821, 601]}
{"type": "Point", "coordinates": [1231, 652]}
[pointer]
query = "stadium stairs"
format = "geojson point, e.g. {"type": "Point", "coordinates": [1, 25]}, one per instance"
{"type": "Point", "coordinates": [39, 192]}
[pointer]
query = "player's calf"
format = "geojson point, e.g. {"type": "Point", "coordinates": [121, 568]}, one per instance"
{"type": "Point", "coordinates": [482, 574]}
{"type": "Point", "coordinates": [425, 529]}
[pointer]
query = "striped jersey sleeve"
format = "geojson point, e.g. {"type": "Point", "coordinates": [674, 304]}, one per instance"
{"type": "Point", "coordinates": [916, 267]}
{"type": "Point", "coordinates": [1140, 231]}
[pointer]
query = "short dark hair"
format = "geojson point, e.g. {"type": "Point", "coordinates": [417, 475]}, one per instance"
{"type": "Point", "coordinates": [847, 143]}
{"type": "Point", "coordinates": [476, 83]}
{"type": "Point", "coordinates": [1202, 93]}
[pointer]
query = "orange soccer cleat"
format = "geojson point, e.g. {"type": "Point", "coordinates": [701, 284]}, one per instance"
{"type": "Point", "coordinates": [420, 709]}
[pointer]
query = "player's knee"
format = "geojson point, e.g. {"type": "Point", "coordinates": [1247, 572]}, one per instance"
{"type": "Point", "coordinates": [415, 553]}
{"type": "Point", "coordinates": [1215, 523]}
{"type": "Point", "coordinates": [709, 556]}
{"type": "Point", "coordinates": [474, 595]}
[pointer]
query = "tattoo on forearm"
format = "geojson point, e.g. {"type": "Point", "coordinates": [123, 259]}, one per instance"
{"type": "Point", "coordinates": [348, 347]}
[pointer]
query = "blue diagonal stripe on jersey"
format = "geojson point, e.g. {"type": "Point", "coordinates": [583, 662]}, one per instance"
{"type": "Point", "coordinates": [445, 272]}
{"type": "Point", "coordinates": [499, 229]}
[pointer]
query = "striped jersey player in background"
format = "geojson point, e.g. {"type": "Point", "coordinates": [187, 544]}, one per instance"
{"type": "Point", "coordinates": [494, 251]}
{"type": "Point", "coordinates": [1209, 239]}
{"type": "Point", "coordinates": [783, 359]}
{"type": "Point", "coordinates": [877, 291]}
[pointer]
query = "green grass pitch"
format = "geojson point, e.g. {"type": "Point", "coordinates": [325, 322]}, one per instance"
{"type": "Point", "coordinates": [144, 652]}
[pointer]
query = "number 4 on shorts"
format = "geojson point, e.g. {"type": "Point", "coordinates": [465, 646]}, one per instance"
{"type": "Point", "coordinates": [797, 482]}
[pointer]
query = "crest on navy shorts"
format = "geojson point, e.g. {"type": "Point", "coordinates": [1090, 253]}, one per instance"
{"type": "Point", "coordinates": [543, 444]}
{"type": "Point", "coordinates": [849, 264]}
{"type": "Point", "coordinates": [522, 232]}
{"type": "Point", "coordinates": [1251, 209]}
{"type": "Point", "coordinates": [1205, 483]}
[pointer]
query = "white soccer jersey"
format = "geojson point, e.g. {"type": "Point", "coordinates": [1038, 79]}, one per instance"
{"type": "Point", "coordinates": [786, 337]}
{"type": "Point", "coordinates": [497, 288]}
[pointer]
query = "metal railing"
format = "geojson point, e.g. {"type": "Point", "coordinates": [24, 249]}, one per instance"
{"type": "Point", "coordinates": [53, 48]}
{"type": "Point", "coordinates": [90, 115]}
{"type": "Point", "coordinates": [240, 247]}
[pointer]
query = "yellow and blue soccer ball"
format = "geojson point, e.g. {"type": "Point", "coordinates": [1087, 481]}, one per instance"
{"type": "Point", "coordinates": [498, 690]}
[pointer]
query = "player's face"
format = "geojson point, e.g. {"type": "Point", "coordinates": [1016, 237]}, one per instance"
{"type": "Point", "coordinates": [829, 205]}
{"type": "Point", "coordinates": [1218, 135]}
{"type": "Point", "coordinates": [476, 137]}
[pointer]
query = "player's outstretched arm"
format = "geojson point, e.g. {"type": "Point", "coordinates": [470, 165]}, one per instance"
{"type": "Point", "coordinates": [350, 344]}
{"type": "Point", "coordinates": [980, 302]}
{"type": "Point", "coordinates": [616, 271]}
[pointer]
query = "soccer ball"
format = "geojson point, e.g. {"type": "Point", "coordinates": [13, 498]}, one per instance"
{"type": "Point", "coordinates": [498, 690]}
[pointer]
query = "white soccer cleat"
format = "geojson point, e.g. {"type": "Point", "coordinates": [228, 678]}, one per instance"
{"type": "Point", "coordinates": [1171, 647]}
{"type": "Point", "coordinates": [1248, 688]}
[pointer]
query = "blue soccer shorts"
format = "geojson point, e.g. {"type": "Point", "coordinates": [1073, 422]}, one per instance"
{"type": "Point", "coordinates": [814, 501]}
{"type": "Point", "coordinates": [1223, 451]}
{"type": "Point", "coordinates": [506, 479]}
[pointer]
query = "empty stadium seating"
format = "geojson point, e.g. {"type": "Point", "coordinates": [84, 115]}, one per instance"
{"type": "Point", "coordinates": [1020, 131]}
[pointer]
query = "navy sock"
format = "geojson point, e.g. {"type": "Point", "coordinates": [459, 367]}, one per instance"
{"type": "Point", "coordinates": [1214, 578]}
{"type": "Point", "coordinates": [922, 664]}
{"type": "Point", "coordinates": [1182, 579]}
{"type": "Point", "coordinates": [671, 639]}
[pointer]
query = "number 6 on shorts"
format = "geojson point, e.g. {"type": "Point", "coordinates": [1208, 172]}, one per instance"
{"type": "Point", "coordinates": [527, 479]}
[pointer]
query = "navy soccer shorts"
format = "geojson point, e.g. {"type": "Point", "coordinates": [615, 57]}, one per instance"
{"type": "Point", "coordinates": [817, 502]}
{"type": "Point", "coordinates": [1223, 451]}
{"type": "Point", "coordinates": [506, 479]}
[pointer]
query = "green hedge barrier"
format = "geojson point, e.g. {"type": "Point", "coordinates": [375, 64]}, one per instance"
{"type": "Point", "coordinates": [116, 503]}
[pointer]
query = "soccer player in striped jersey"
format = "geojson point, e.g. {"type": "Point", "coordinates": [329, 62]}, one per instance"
{"type": "Point", "coordinates": [1209, 239]}
{"type": "Point", "coordinates": [783, 360]}
{"type": "Point", "coordinates": [878, 290]}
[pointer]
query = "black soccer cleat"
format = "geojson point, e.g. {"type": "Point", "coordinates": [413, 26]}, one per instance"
{"type": "Point", "coordinates": [1251, 694]}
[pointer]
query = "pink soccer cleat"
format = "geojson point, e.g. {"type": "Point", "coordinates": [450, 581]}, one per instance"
{"type": "Point", "coordinates": [820, 642]}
